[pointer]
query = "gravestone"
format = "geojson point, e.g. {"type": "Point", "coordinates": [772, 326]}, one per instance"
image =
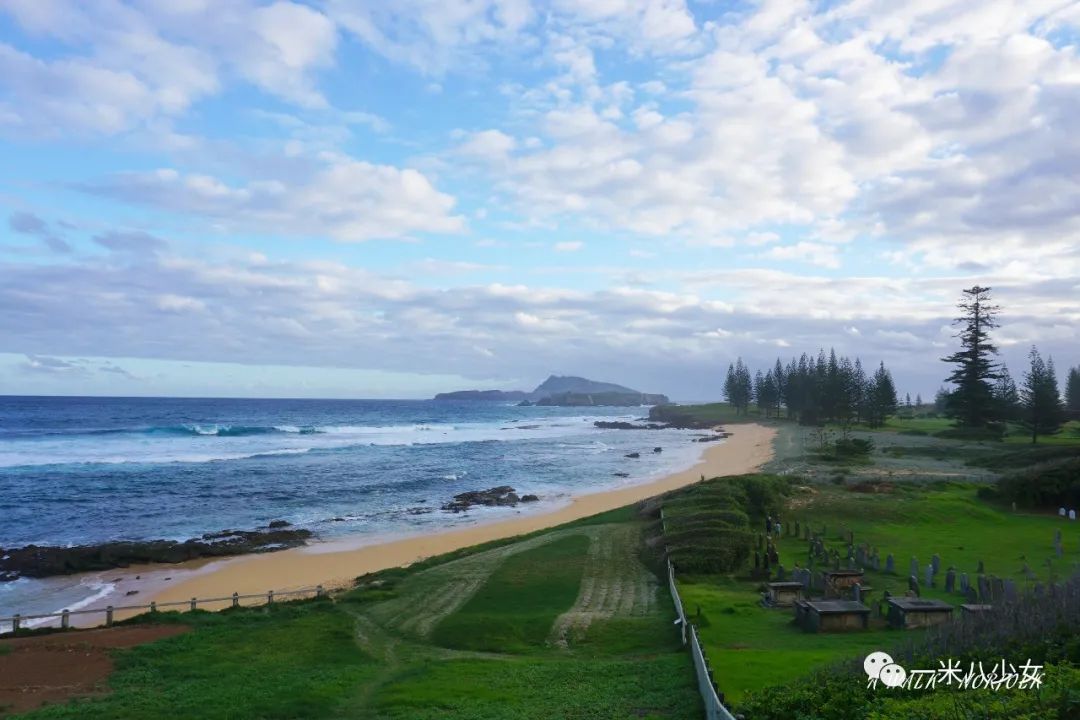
{"type": "Point", "coordinates": [1072, 514]}
{"type": "Point", "coordinates": [1061, 512]}
{"type": "Point", "coordinates": [950, 580]}
{"type": "Point", "coordinates": [780, 573]}
{"type": "Point", "coordinates": [981, 570]}
{"type": "Point", "coordinates": [856, 592]}
{"type": "Point", "coordinates": [860, 556]}
{"type": "Point", "coordinates": [971, 595]}
{"type": "Point", "coordinates": [913, 585]}
{"type": "Point", "coordinates": [1059, 551]}
{"type": "Point", "coordinates": [935, 562]}
{"type": "Point", "coordinates": [964, 585]}
{"type": "Point", "coordinates": [914, 567]}
{"type": "Point", "coordinates": [818, 582]}
{"type": "Point", "coordinates": [797, 531]}
{"type": "Point", "coordinates": [757, 560]}
{"type": "Point", "coordinates": [1038, 589]}
{"type": "Point", "coordinates": [984, 589]}
{"type": "Point", "coordinates": [929, 576]}
{"type": "Point", "coordinates": [1010, 590]}
{"type": "Point", "coordinates": [890, 564]}
{"type": "Point", "coordinates": [765, 562]}
{"type": "Point", "coordinates": [997, 588]}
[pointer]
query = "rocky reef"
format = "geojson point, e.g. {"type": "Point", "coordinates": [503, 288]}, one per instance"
{"type": "Point", "coordinates": [38, 561]}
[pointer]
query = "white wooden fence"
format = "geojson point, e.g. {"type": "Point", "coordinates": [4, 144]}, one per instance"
{"type": "Point", "coordinates": [714, 709]}
{"type": "Point", "coordinates": [18, 621]}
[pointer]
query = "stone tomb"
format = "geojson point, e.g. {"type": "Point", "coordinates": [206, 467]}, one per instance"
{"type": "Point", "coordinates": [784, 594]}
{"type": "Point", "coordinates": [832, 615]}
{"type": "Point", "coordinates": [838, 583]}
{"type": "Point", "coordinates": [910, 613]}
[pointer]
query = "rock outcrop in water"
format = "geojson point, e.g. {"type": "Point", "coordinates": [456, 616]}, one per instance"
{"type": "Point", "coordinates": [502, 496]}
{"type": "Point", "coordinates": [36, 561]}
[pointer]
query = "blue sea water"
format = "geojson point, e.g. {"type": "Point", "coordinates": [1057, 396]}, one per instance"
{"type": "Point", "coordinates": [89, 470]}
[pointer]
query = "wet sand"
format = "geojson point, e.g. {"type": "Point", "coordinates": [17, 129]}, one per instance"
{"type": "Point", "coordinates": [337, 564]}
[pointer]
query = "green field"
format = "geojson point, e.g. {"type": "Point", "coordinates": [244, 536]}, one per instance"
{"type": "Point", "coordinates": [563, 623]}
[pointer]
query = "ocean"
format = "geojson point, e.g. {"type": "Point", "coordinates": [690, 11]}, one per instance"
{"type": "Point", "coordinates": [88, 470]}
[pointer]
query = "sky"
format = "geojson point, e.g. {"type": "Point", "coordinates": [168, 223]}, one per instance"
{"type": "Point", "coordinates": [389, 199]}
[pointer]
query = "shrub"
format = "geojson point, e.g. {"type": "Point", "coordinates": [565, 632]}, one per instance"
{"type": "Point", "coordinates": [1051, 484]}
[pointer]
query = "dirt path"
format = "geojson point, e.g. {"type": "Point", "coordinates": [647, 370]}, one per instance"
{"type": "Point", "coordinates": [55, 668]}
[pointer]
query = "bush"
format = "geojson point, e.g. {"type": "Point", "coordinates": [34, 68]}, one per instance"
{"type": "Point", "coordinates": [1049, 485]}
{"type": "Point", "coordinates": [993, 432]}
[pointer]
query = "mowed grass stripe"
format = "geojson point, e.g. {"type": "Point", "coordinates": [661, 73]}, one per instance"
{"type": "Point", "coordinates": [514, 610]}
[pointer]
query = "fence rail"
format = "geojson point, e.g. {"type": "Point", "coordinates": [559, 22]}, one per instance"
{"type": "Point", "coordinates": [16, 621]}
{"type": "Point", "coordinates": [714, 708]}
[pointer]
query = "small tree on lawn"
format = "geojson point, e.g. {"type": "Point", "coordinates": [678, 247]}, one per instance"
{"type": "Point", "coordinates": [972, 403]}
{"type": "Point", "coordinates": [1072, 392]}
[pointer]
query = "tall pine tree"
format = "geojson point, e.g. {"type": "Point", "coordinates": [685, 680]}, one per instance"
{"type": "Point", "coordinates": [1043, 412]}
{"type": "Point", "coordinates": [972, 402]}
{"type": "Point", "coordinates": [1072, 392]}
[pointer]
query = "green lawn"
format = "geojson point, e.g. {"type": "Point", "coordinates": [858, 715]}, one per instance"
{"type": "Point", "coordinates": [514, 609]}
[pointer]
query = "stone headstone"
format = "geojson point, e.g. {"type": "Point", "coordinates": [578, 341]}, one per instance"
{"type": "Point", "coordinates": [950, 580]}
{"type": "Point", "coordinates": [971, 595]}
{"type": "Point", "coordinates": [797, 531]}
{"type": "Point", "coordinates": [1057, 537]}
{"type": "Point", "coordinates": [929, 576]}
{"type": "Point", "coordinates": [780, 573]}
{"type": "Point", "coordinates": [860, 556]}
{"type": "Point", "coordinates": [914, 567]}
{"type": "Point", "coordinates": [913, 585]}
{"type": "Point", "coordinates": [1072, 514]}
{"type": "Point", "coordinates": [890, 564]}
{"type": "Point", "coordinates": [964, 585]}
{"type": "Point", "coordinates": [757, 560]}
{"type": "Point", "coordinates": [997, 588]}
{"type": "Point", "coordinates": [935, 562]}
{"type": "Point", "coordinates": [1010, 590]}
{"type": "Point", "coordinates": [1061, 512]}
{"type": "Point", "coordinates": [856, 592]}
{"type": "Point", "coordinates": [1058, 550]}
{"type": "Point", "coordinates": [984, 589]}
{"type": "Point", "coordinates": [1038, 589]}
{"type": "Point", "coordinates": [981, 570]}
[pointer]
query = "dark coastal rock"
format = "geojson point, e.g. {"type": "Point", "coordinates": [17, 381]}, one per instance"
{"type": "Point", "coordinates": [132, 592]}
{"type": "Point", "coordinates": [621, 474]}
{"type": "Point", "coordinates": [658, 449]}
{"type": "Point", "coordinates": [530, 498]}
{"type": "Point", "coordinates": [46, 561]}
{"type": "Point", "coordinates": [633, 455]}
{"type": "Point", "coordinates": [418, 511]}
{"type": "Point", "coordinates": [502, 496]}
{"type": "Point", "coordinates": [623, 425]}
{"type": "Point", "coordinates": [275, 524]}
{"type": "Point", "coordinates": [713, 438]}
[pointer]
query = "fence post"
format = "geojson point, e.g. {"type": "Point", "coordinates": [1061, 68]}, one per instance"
{"type": "Point", "coordinates": [270, 598]}
{"type": "Point", "coordinates": [319, 592]}
{"type": "Point", "coordinates": [109, 616]}
{"type": "Point", "coordinates": [153, 606]}
{"type": "Point", "coordinates": [15, 621]}
{"type": "Point", "coordinates": [236, 599]}
{"type": "Point", "coordinates": [65, 619]}
{"type": "Point", "coordinates": [194, 601]}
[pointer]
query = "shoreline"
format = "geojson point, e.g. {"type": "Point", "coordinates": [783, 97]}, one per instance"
{"type": "Point", "coordinates": [749, 446]}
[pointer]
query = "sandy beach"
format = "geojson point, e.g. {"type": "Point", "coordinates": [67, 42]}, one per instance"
{"type": "Point", "coordinates": [747, 449]}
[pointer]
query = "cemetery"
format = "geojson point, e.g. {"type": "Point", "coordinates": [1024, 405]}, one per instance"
{"type": "Point", "coordinates": [870, 569]}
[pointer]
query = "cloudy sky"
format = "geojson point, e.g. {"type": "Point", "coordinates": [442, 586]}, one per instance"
{"type": "Point", "coordinates": [355, 198]}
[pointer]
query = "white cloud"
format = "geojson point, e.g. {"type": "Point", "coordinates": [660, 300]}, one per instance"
{"type": "Point", "coordinates": [345, 199]}
{"type": "Point", "coordinates": [566, 246]}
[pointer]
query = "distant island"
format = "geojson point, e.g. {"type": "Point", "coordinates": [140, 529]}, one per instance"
{"type": "Point", "coordinates": [564, 390]}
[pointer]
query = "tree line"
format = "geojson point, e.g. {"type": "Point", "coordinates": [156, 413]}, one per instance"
{"type": "Point", "coordinates": [984, 395]}
{"type": "Point", "coordinates": [814, 390]}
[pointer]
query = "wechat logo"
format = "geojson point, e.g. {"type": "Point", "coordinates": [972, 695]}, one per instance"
{"type": "Point", "coordinates": [879, 666]}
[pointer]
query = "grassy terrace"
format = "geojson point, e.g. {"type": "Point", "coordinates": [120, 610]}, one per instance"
{"type": "Point", "coordinates": [563, 623]}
